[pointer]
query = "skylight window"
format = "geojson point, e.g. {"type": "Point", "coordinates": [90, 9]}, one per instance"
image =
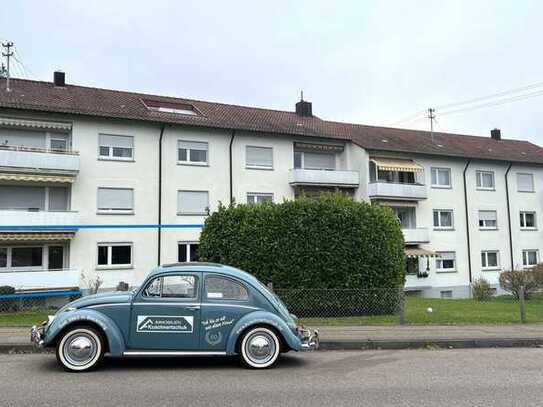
{"type": "Point", "coordinates": [171, 107]}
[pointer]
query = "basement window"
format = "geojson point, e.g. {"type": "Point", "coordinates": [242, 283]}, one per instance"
{"type": "Point", "coordinates": [171, 107]}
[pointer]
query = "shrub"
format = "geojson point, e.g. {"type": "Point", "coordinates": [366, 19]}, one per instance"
{"type": "Point", "coordinates": [122, 286]}
{"type": "Point", "coordinates": [329, 242]}
{"type": "Point", "coordinates": [530, 279]}
{"type": "Point", "coordinates": [7, 289]}
{"type": "Point", "coordinates": [481, 290]}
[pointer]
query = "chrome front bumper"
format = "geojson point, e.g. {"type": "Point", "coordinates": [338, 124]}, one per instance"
{"type": "Point", "coordinates": [309, 338]}
{"type": "Point", "coordinates": [36, 335]}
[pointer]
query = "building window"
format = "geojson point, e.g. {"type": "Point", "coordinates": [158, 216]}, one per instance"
{"type": "Point", "coordinates": [34, 198]}
{"type": "Point", "coordinates": [314, 161]}
{"type": "Point", "coordinates": [116, 147]}
{"type": "Point", "coordinates": [443, 219]}
{"type": "Point", "coordinates": [525, 182]}
{"type": "Point", "coordinates": [220, 288]}
{"type": "Point", "coordinates": [58, 144]}
{"type": "Point", "coordinates": [192, 202]}
{"type": "Point", "coordinates": [115, 200]}
{"type": "Point", "coordinates": [192, 152]}
{"type": "Point", "coordinates": [187, 252]}
{"type": "Point", "coordinates": [446, 294]}
{"type": "Point", "coordinates": [257, 197]}
{"type": "Point", "coordinates": [530, 257]}
{"type": "Point", "coordinates": [527, 220]}
{"type": "Point", "coordinates": [112, 255]}
{"type": "Point", "coordinates": [31, 258]}
{"type": "Point", "coordinates": [485, 180]}
{"type": "Point", "coordinates": [28, 257]}
{"type": "Point", "coordinates": [259, 157]}
{"type": "Point", "coordinates": [441, 177]}
{"type": "Point", "coordinates": [446, 261]}
{"type": "Point", "coordinates": [488, 220]}
{"type": "Point", "coordinates": [490, 259]}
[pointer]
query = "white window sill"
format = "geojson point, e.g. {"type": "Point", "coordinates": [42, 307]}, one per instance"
{"type": "Point", "coordinates": [445, 271]}
{"type": "Point", "coordinates": [528, 229]}
{"type": "Point", "coordinates": [115, 267]}
{"type": "Point", "coordinates": [192, 164]}
{"type": "Point", "coordinates": [485, 189]}
{"type": "Point", "coordinates": [126, 160]}
{"type": "Point", "coordinates": [115, 212]}
{"type": "Point", "coordinates": [442, 186]}
{"type": "Point", "coordinates": [486, 229]}
{"type": "Point", "coordinates": [491, 268]}
{"type": "Point", "coordinates": [191, 214]}
{"type": "Point", "coordinates": [254, 167]}
{"type": "Point", "coordinates": [439, 229]}
{"type": "Point", "coordinates": [526, 192]}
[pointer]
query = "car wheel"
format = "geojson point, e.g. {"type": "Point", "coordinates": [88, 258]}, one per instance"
{"type": "Point", "coordinates": [260, 348]}
{"type": "Point", "coordinates": [80, 349]}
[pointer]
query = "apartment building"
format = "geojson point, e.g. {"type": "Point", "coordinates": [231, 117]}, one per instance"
{"type": "Point", "coordinates": [110, 183]}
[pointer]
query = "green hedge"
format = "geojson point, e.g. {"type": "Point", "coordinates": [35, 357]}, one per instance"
{"type": "Point", "coordinates": [330, 242]}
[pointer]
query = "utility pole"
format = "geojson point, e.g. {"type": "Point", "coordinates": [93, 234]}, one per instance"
{"type": "Point", "coordinates": [431, 116]}
{"type": "Point", "coordinates": [8, 54]}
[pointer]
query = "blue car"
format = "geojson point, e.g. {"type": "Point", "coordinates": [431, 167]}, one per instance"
{"type": "Point", "coordinates": [180, 309]}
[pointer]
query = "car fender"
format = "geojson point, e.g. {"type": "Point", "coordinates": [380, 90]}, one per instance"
{"type": "Point", "coordinates": [262, 318]}
{"type": "Point", "coordinates": [111, 331]}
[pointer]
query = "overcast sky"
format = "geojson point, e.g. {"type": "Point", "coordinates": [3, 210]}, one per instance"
{"type": "Point", "coordinates": [370, 62]}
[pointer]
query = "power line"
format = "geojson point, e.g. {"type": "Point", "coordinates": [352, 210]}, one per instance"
{"type": "Point", "coordinates": [19, 59]}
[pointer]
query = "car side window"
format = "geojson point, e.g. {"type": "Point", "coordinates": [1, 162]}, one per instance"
{"type": "Point", "coordinates": [220, 288]}
{"type": "Point", "coordinates": [184, 287]}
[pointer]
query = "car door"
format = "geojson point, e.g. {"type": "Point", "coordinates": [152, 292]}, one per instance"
{"type": "Point", "coordinates": [165, 314]}
{"type": "Point", "coordinates": [224, 301]}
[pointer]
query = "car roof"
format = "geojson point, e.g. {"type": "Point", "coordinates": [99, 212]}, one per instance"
{"type": "Point", "coordinates": [205, 267]}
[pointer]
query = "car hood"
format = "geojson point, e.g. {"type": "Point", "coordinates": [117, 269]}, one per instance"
{"type": "Point", "coordinates": [104, 298]}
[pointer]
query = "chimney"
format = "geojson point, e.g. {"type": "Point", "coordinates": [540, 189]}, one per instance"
{"type": "Point", "coordinates": [495, 134]}
{"type": "Point", "coordinates": [303, 108]}
{"type": "Point", "coordinates": [59, 79]}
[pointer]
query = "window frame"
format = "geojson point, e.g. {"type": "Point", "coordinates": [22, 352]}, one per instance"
{"type": "Point", "coordinates": [257, 166]}
{"type": "Point", "coordinates": [188, 161]}
{"type": "Point", "coordinates": [110, 211]}
{"type": "Point", "coordinates": [484, 264]}
{"type": "Point", "coordinates": [259, 194]}
{"type": "Point", "coordinates": [109, 265]}
{"type": "Point", "coordinates": [523, 219]}
{"type": "Point", "coordinates": [439, 218]}
{"type": "Point", "coordinates": [446, 270]}
{"type": "Point", "coordinates": [533, 182]}
{"type": "Point", "coordinates": [525, 257]}
{"type": "Point", "coordinates": [438, 185]}
{"type": "Point", "coordinates": [204, 213]}
{"type": "Point", "coordinates": [244, 286]}
{"type": "Point", "coordinates": [172, 299]}
{"type": "Point", "coordinates": [110, 156]}
{"type": "Point", "coordinates": [484, 227]}
{"type": "Point", "coordinates": [479, 180]}
{"type": "Point", "coordinates": [189, 243]}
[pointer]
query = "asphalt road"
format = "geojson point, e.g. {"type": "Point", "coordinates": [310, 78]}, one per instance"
{"type": "Point", "coordinates": [467, 377]}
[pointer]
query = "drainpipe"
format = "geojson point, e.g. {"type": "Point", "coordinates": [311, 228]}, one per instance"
{"type": "Point", "coordinates": [159, 229]}
{"type": "Point", "coordinates": [467, 218]}
{"type": "Point", "coordinates": [509, 214]}
{"type": "Point", "coordinates": [230, 157]}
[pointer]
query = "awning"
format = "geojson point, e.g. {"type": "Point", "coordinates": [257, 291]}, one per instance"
{"type": "Point", "coordinates": [413, 252]}
{"type": "Point", "coordinates": [396, 164]}
{"type": "Point", "coordinates": [410, 204]}
{"type": "Point", "coordinates": [19, 237]}
{"type": "Point", "coordinates": [37, 178]}
{"type": "Point", "coordinates": [35, 124]}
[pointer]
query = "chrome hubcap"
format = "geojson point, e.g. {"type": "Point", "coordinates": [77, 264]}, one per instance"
{"type": "Point", "coordinates": [260, 347]}
{"type": "Point", "coordinates": [80, 349]}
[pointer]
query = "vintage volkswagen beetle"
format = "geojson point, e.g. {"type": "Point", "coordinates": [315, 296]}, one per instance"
{"type": "Point", "coordinates": [180, 309]}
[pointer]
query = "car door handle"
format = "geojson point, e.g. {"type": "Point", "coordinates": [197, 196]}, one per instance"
{"type": "Point", "coordinates": [194, 308]}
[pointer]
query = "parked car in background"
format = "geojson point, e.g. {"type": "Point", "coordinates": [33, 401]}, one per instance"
{"type": "Point", "coordinates": [180, 309]}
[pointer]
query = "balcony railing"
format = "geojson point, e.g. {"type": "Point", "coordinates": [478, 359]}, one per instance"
{"type": "Point", "coordinates": [417, 235]}
{"type": "Point", "coordinates": [38, 219]}
{"type": "Point", "coordinates": [389, 190]}
{"type": "Point", "coordinates": [39, 158]}
{"type": "Point", "coordinates": [339, 178]}
{"type": "Point", "coordinates": [41, 279]}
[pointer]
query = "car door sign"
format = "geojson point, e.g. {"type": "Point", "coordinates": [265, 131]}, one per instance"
{"type": "Point", "coordinates": [165, 324]}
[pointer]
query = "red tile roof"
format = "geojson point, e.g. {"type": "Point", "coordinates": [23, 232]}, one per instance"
{"type": "Point", "coordinates": [80, 100]}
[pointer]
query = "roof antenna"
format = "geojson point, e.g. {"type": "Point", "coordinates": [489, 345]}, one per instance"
{"type": "Point", "coordinates": [7, 45]}
{"type": "Point", "coordinates": [432, 117]}
{"type": "Point", "coordinates": [302, 95]}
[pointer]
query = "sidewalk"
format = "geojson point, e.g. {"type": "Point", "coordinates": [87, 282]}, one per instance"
{"type": "Point", "coordinates": [376, 337]}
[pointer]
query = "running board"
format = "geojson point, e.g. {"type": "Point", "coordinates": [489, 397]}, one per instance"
{"type": "Point", "coordinates": [171, 353]}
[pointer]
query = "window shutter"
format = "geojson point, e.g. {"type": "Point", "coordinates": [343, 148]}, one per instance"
{"type": "Point", "coordinates": [319, 161]}
{"type": "Point", "coordinates": [192, 145]}
{"type": "Point", "coordinates": [58, 199]}
{"type": "Point", "coordinates": [447, 255]}
{"type": "Point", "coordinates": [487, 215]}
{"type": "Point", "coordinates": [192, 202]}
{"type": "Point", "coordinates": [115, 198]}
{"type": "Point", "coordinates": [260, 156]}
{"type": "Point", "coordinates": [17, 197]}
{"type": "Point", "coordinates": [525, 182]}
{"type": "Point", "coordinates": [116, 141]}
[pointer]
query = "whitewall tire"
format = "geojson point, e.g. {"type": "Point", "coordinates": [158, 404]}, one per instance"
{"type": "Point", "coordinates": [260, 348]}
{"type": "Point", "coordinates": [80, 349]}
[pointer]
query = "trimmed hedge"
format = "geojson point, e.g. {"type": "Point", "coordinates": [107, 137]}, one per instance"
{"type": "Point", "coordinates": [329, 242]}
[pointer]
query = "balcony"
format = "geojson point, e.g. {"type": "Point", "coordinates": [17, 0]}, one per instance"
{"type": "Point", "coordinates": [39, 159]}
{"type": "Point", "coordinates": [37, 220]}
{"type": "Point", "coordinates": [43, 279]}
{"type": "Point", "coordinates": [332, 178]}
{"type": "Point", "coordinates": [401, 191]}
{"type": "Point", "coordinates": [417, 235]}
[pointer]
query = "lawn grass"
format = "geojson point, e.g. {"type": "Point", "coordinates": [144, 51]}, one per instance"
{"type": "Point", "coordinates": [23, 319]}
{"type": "Point", "coordinates": [500, 310]}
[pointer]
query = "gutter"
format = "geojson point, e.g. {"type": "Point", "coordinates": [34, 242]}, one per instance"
{"type": "Point", "coordinates": [159, 229]}
{"type": "Point", "coordinates": [509, 215]}
{"type": "Point", "coordinates": [467, 218]}
{"type": "Point", "coordinates": [232, 136]}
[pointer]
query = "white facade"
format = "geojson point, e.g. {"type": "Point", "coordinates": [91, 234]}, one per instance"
{"type": "Point", "coordinates": [115, 235]}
